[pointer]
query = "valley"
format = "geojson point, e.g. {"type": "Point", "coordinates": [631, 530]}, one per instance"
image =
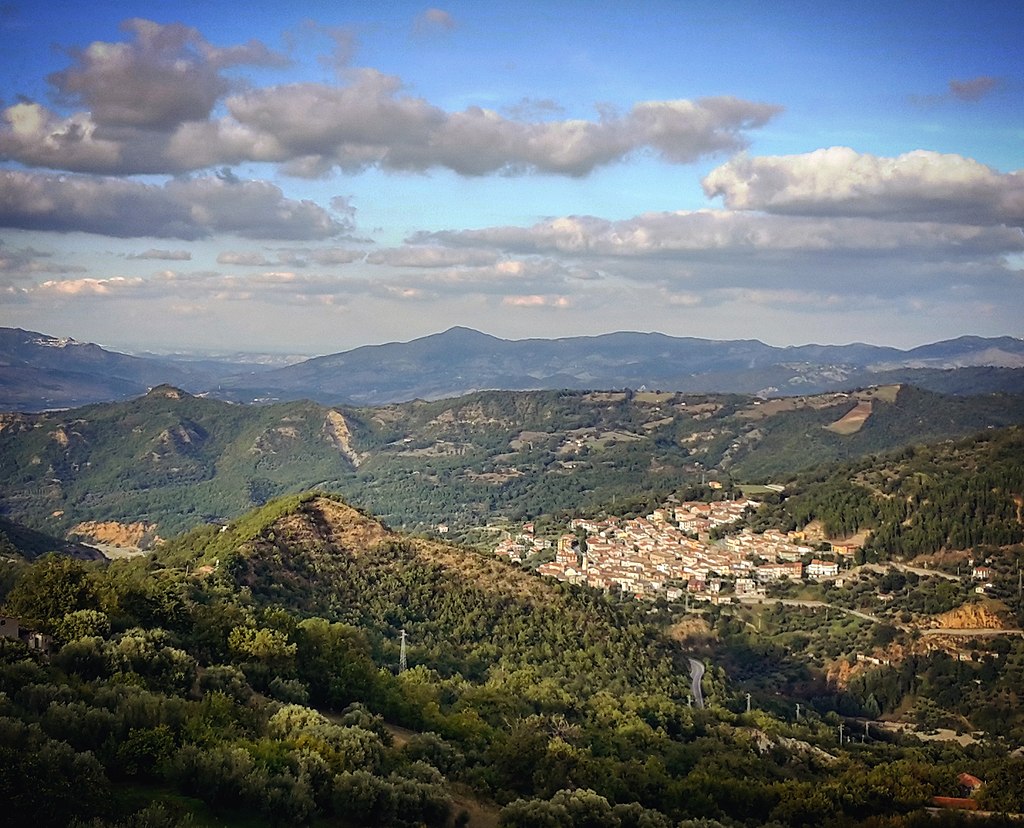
{"type": "Point", "coordinates": [656, 607]}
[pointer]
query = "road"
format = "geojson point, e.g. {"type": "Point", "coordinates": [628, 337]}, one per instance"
{"type": "Point", "coordinates": [696, 674]}
{"type": "Point", "coordinates": [796, 602]}
{"type": "Point", "coordinates": [982, 632]}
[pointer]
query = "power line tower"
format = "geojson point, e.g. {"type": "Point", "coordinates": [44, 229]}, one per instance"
{"type": "Point", "coordinates": [403, 664]}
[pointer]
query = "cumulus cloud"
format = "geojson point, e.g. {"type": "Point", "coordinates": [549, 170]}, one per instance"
{"type": "Point", "coordinates": [315, 128]}
{"type": "Point", "coordinates": [167, 255]}
{"type": "Point", "coordinates": [149, 103]}
{"type": "Point", "coordinates": [247, 259]}
{"type": "Point", "coordinates": [973, 89]}
{"type": "Point", "coordinates": [684, 235]}
{"type": "Point", "coordinates": [135, 94]}
{"type": "Point", "coordinates": [370, 123]}
{"type": "Point", "coordinates": [537, 301]}
{"type": "Point", "coordinates": [70, 288]}
{"type": "Point", "coordinates": [838, 181]}
{"type": "Point", "coordinates": [184, 209]}
{"type": "Point", "coordinates": [165, 75]}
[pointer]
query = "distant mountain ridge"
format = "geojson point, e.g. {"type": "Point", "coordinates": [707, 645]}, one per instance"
{"type": "Point", "coordinates": [38, 372]}
{"type": "Point", "coordinates": [462, 360]}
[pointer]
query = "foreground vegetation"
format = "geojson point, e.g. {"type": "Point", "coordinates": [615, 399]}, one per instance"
{"type": "Point", "coordinates": [250, 675]}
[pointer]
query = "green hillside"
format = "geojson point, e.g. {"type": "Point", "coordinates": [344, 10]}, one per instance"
{"type": "Point", "coordinates": [174, 461]}
{"type": "Point", "coordinates": [251, 676]}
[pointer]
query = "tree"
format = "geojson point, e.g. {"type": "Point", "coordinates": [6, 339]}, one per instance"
{"type": "Point", "coordinates": [51, 589]}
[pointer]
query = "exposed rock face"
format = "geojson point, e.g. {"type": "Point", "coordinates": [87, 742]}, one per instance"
{"type": "Point", "coordinates": [338, 433]}
{"type": "Point", "coordinates": [971, 617]}
{"type": "Point", "coordinates": [139, 535]}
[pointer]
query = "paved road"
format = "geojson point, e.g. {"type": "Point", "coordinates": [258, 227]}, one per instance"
{"type": "Point", "coordinates": [696, 674]}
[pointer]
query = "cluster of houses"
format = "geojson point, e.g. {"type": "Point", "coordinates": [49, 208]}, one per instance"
{"type": "Point", "coordinates": [668, 553]}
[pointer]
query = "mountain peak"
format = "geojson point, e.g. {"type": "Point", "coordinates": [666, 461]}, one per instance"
{"type": "Point", "coordinates": [166, 392]}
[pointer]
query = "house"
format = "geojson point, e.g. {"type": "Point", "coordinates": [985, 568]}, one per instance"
{"type": "Point", "coordinates": [981, 573]}
{"type": "Point", "coordinates": [822, 569]}
{"type": "Point", "coordinates": [776, 572]}
{"type": "Point", "coordinates": [847, 549]}
{"type": "Point", "coordinates": [745, 586]}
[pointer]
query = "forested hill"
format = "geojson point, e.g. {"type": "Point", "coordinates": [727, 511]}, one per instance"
{"type": "Point", "coordinates": [168, 461]}
{"type": "Point", "coordinates": [251, 674]}
{"type": "Point", "coordinates": [923, 499]}
{"type": "Point", "coordinates": [464, 612]}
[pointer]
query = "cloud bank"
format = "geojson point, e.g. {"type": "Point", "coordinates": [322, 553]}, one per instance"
{"type": "Point", "coordinates": [181, 209]}
{"type": "Point", "coordinates": [916, 186]}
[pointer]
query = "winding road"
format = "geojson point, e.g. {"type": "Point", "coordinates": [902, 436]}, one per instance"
{"type": "Point", "coordinates": [696, 674]}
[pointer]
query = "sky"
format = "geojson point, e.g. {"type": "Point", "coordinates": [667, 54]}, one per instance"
{"type": "Point", "coordinates": [306, 178]}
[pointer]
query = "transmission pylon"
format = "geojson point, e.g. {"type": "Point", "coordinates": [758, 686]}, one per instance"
{"type": "Point", "coordinates": [403, 665]}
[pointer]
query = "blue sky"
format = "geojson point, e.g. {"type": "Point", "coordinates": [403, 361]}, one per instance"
{"type": "Point", "coordinates": [312, 178]}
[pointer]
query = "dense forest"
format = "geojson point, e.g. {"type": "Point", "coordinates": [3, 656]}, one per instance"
{"type": "Point", "coordinates": [169, 461]}
{"type": "Point", "coordinates": [251, 673]}
{"type": "Point", "coordinates": [923, 499]}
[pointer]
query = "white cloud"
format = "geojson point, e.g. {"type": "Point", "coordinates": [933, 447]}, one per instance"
{"type": "Point", "coordinates": [247, 259]}
{"type": "Point", "coordinates": [683, 235]}
{"type": "Point", "coordinates": [537, 301]}
{"type": "Point", "coordinates": [165, 75]}
{"type": "Point", "coordinates": [184, 209]}
{"type": "Point", "coordinates": [314, 128]}
{"type": "Point", "coordinates": [916, 186]}
{"type": "Point", "coordinates": [148, 106]}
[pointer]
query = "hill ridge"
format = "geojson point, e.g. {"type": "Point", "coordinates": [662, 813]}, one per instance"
{"type": "Point", "coordinates": [37, 375]}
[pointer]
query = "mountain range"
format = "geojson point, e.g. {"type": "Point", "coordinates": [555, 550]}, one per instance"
{"type": "Point", "coordinates": [39, 372]}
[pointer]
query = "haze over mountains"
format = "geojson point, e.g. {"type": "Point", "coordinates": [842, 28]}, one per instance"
{"type": "Point", "coordinates": [40, 371]}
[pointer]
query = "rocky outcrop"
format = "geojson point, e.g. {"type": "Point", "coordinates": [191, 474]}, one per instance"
{"type": "Point", "coordinates": [340, 436]}
{"type": "Point", "coordinates": [971, 617]}
{"type": "Point", "coordinates": [140, 535]}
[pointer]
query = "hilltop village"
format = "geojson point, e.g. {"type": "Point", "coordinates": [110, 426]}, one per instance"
{"type": "Point", "coordinates": [670, 553]}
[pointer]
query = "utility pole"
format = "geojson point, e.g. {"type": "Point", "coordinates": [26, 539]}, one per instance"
{"type": "Point", "coordinates": [798, 711]}
{"type": "Point", "coordinates": [403, 665]}
{"type": "Point", "coordinates": [840, 733]}
{"type": "Point", "coordinates": [748, 702]}
{"type": "Point", "coordinates": [867, 731]}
